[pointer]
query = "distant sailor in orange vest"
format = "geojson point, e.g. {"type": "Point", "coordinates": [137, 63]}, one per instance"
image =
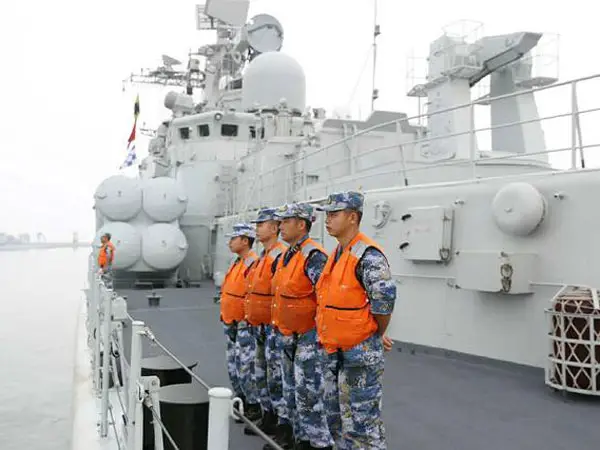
{"type": "Point", "coordinates": [267, 368]}
{"type": "Point", "coordinates": [356, 297]}
{"type": "Point", "coordinates": [241, 346]}
{"type": "Point", "coordinates": [294, 310]}
{"type": "Point", "coordinates": [106, 256]}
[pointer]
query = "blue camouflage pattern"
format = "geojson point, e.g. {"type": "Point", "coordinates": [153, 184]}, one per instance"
{"type": "Point", "coordinates": [274, 356]}
{"type": "Point", "coordinates": [343, 200]}
{"type": "Point", "coordinates": [331, 393]}
{"type": "Point", "coordinates": [374, 274]}
{"type": "Point", "coordinates": [240, 354]}
{"type": "Point", "coordinates": [298, 210]}
{"type": "Point", "coordinates": [314, 266]}
{"type": "Point", "coordinates": [265, 215]}
{"type": "Point", "coordinates": [288, 353]}
{"type": "Point", "coordinates": [260, 367]}
{"type": "Point", "coordinates": [303, 384]}
{"type": "Point", "coordinates": [107, 277]}
{"type": "Point", "coordinates": [231, 358]}
{"type": "Point", "coordinates": [311, 418]}
{"type": "Point", "coordinates": [354, 381]}
{"type": "Point", "coordinates": [245, 346]}
{"type": "Point", "coordinates": [242, 229]}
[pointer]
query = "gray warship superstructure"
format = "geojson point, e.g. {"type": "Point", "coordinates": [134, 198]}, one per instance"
{"type": "Point", "coordinates": [494, 250]}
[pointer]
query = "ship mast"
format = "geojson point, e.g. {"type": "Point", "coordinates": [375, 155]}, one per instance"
{"type": "Point", "coordinates": [376, 33]}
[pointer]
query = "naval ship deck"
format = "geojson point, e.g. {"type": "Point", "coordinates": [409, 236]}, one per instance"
{"type": "Point", "coordinates": [432, 400]}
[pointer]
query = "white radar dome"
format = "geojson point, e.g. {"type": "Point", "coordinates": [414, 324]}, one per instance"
{"type": "Point", "coordinates": [164, 200]}
{"type": "Point", "coordinates": [119, 198]}
{"type": "Point", "coordinates": [272, 77]}
{"type": "Point", "coordinates": [164, 246]}
{"type": "Point", "coordinates": [127, 242]}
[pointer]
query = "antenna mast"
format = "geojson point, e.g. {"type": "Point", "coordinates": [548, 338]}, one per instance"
{"type": "Point", "coordinates": [376, 33]}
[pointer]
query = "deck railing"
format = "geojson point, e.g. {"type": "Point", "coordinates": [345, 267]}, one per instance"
{"type": "Point", "coordinates": [269, 181]}
{"type": "Point", "coordinates": [107, 312]}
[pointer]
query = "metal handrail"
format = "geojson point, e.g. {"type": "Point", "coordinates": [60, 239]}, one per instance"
{"type": "Point", "coordinates": [442, 111]}
{"type": "Point", "coordinates": [100, 330]}
{"type": "Point", "coordinates": [576, 140]}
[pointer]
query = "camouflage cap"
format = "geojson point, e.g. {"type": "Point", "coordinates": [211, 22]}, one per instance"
{"type": "Point", "coordinates": [266, 214]}
{"type": "Point", "coordinates": [343, 200]}
{"type": "Point", "coordinates": [242, 229]}
{"type": "Point", "coordinates": [298, 210]}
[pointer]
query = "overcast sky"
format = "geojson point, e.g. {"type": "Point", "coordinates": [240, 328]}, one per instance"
{"type": "Point", "coordinates": [65, 118]}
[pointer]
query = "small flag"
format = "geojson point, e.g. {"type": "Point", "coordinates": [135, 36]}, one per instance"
{"type": "Point", "coordinates": [136, 107]}
{"type": "Point", "coordinates": [130, 159]}
{"type": "Point", "coordinates": [131, 156]}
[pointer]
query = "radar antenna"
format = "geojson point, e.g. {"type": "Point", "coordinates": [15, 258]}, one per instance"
{"type": "Point", "coordinates": [167, 75]}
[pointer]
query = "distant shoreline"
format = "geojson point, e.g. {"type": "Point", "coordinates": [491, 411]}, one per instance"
{"type": "Point", "coordinates": [43, 246]}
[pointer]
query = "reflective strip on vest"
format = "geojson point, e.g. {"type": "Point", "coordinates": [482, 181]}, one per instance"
{"type": "Point", "coordinates": [308, 248]}
{"type": "Point", "coordinates": [274, 253]}
{"type": "Point", "coordinates": [250, 259]}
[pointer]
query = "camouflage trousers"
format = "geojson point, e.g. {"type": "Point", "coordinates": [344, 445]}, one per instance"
{"type": "Point", "coordinates": [260, 367]}
{"type": "Point", "coordinates": [273, 356]}
{"type": "Point", "coordinates": [107, 277]}
{"type": "Point", "coordinates": [304, 389]}
{"type": "Point", "coordinates": [240, 355]}
{"type": "Point", "coordinates": [353, 396]}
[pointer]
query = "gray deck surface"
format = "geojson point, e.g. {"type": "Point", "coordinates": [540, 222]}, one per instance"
{"type": "Point", "coordinates": [431, 401]}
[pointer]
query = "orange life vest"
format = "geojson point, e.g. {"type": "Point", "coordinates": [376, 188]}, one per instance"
{"type": "Point", "coordinates": [344, 316]}
{"type": "Point", "coordinates": [104, 258]}
{"type": "Point", "coordinates": [234, 288]}
{"type": "Point", "coordinates": [260, 296]}
{"type": "Point", "coordinates": [295, 300]}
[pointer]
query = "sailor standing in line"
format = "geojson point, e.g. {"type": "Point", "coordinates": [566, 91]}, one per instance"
{"type": "Point", "coordinates": [241, 346]}
{"type": "Point", "coordinates": [294, 310]}
{"type": "Point", "coordinates": [356, 297]}
{"type": "Point", "coordinates": [267, 368]}
{"type": "Point", "coordinates": [106, 256]}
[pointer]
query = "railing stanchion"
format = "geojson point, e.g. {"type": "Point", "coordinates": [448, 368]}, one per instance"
{"type": "Point", "coordinates": [472, 141]}
{"type": "Point", "coordinates": [135, 371]}
{"type": "Point", "coordinates": [96, 314]}
{"type": "Point", "coordinates": [106, 344]}
{"type": "Point", "coordinates": [219, 413]}
{"type": "Point", "coordinates": [574, 119]}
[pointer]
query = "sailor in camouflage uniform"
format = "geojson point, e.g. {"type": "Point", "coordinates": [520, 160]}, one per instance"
{"type": "Point", "coordinates": [241, 344]}
{"type": "Point", "coordinates": [294, 309]}
{"type": "Point", "coordinates": [259, 303]}
{"type": "Point", "coordinates": [356, 297]}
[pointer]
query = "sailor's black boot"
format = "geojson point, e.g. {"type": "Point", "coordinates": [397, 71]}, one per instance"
{"type": "Point", "coordinates": [268, 425]}
{"type": "Point", "coordinates": [284, 437]}
{"type": "Point", "coordinates": [253, 411]}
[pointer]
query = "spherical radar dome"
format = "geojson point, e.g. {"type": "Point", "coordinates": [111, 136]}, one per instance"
{"type": "Point", "coordinates": [119, 198]}
{"type": "Point", "coordinates": [164, 200]}
{"type": "Point", "coordinates": [127, 242]}
{"type": "Point", "coordinates": [164, 246]}
{"type": "Point", "coordinates": [271, 77]}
